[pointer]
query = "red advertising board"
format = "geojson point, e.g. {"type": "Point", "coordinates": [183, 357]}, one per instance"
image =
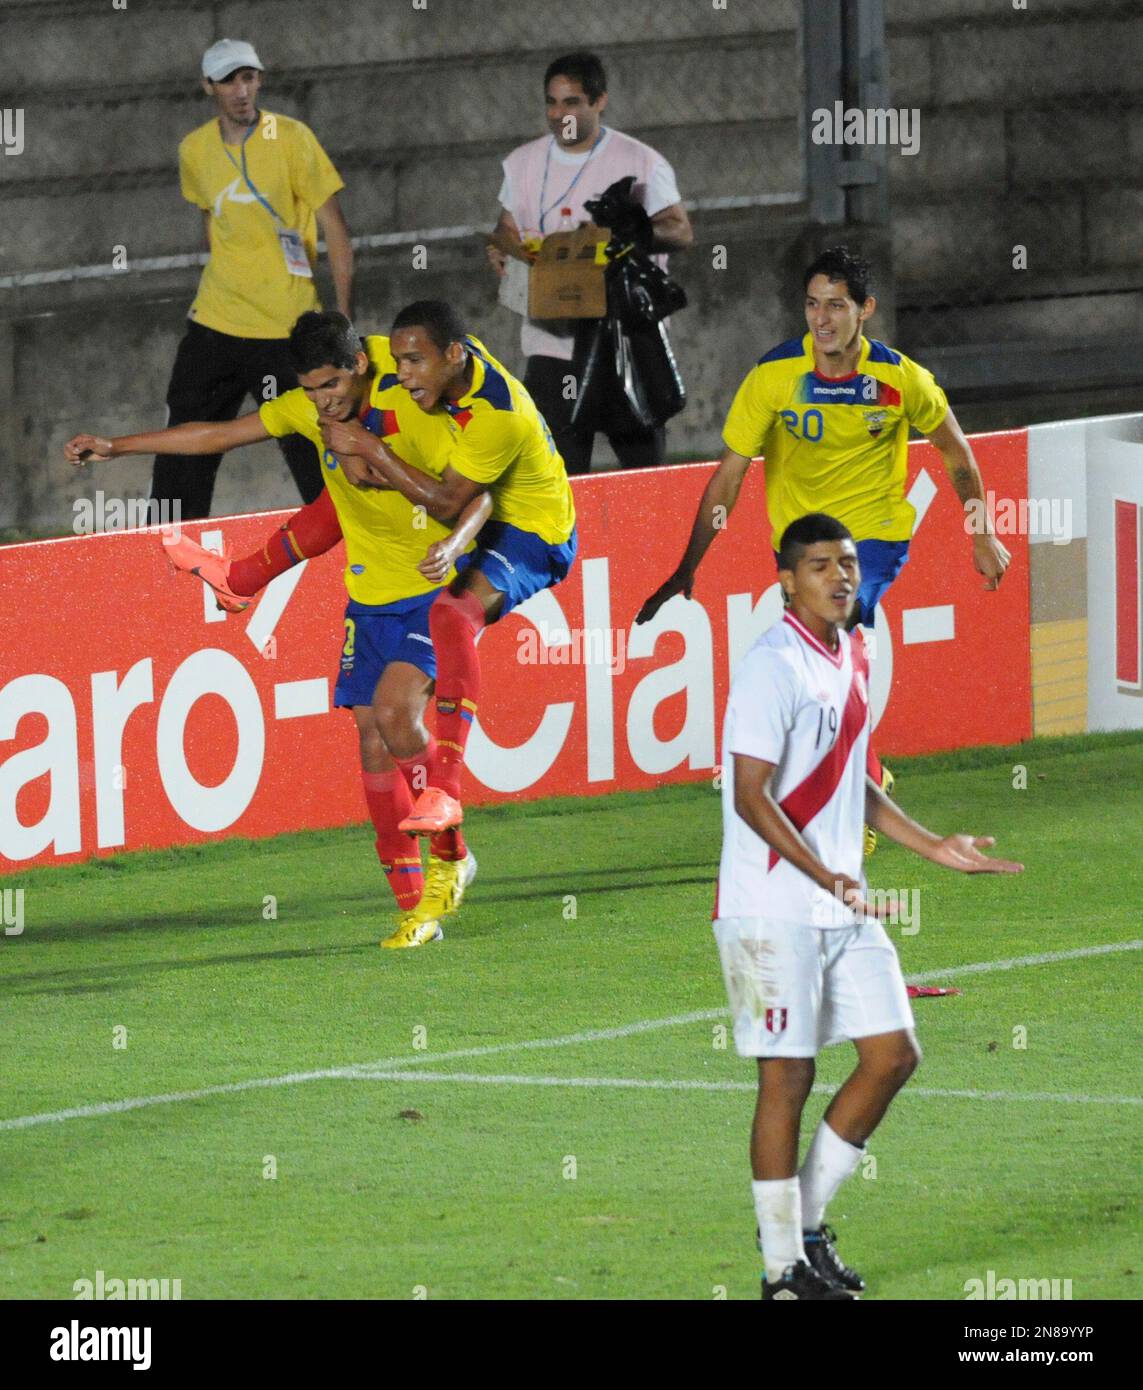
{"type": "Point", "coordinates": [134, 714]}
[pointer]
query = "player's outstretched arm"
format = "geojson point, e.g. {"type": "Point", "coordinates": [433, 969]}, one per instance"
{"type": "Point", "coordinates": [960, 852]}
{"type": "Point", "coordinates": [718, 499]}
{"type": "Point", "coordinates": [196, 437]}
{"type": "Point", "coordinates": [989, 556]}
{"type": "Point", "coordinates": [756, 805]}
{"type": "Point", "coordinates": [442, 554]}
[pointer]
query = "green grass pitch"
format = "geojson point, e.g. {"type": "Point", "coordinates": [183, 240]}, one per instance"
{"type": "Point", "coordinates": [511, 1171]}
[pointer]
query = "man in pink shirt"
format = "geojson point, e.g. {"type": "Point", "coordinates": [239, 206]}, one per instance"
{"type": "Point", "coordinates": [549, 178]}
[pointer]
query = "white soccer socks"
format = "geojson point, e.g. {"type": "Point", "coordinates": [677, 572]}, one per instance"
{"type": "Point", "coordinates": [778, 1207]}
{"type": "Point", "coordinates": [829, 1161]}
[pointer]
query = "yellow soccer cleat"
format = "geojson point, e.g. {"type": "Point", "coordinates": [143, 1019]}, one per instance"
{"type": "Point", "coordinates": [887, 783]}
{"type": "Point", "coordinates": [413, 930]}
{"type": "Point", "coordinates": [445, 885]}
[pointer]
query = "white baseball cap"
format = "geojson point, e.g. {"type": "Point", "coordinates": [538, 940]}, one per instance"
{"type": "Point", "coordinates": [227, 56]}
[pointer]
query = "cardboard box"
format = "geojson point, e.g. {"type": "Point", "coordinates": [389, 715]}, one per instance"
{"type": "Point", "coordinates": [565, 280]}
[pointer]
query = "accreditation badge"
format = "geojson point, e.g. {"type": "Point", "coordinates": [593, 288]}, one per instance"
{"type": "Point", "coordinates": [294, 250]}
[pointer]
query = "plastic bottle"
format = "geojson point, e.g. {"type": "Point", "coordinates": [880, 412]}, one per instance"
{"type": "Point", "coordinates": [566, 222]}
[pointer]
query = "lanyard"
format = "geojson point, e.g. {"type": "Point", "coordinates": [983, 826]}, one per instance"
{"type": "Point", "coordinates": [242, 169]}
{"type": "Point", "coordinates": [547, 164]}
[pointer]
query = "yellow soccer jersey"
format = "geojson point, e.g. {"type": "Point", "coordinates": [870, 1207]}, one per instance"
{"type": "Point", "coordinates": [385, 535]}
{"type": "Point", "coordinates": [501, 440]}
{"type": "Point", "coordinates": [835, 444]}
{"type": "Point", "coordinates": [246, 289]}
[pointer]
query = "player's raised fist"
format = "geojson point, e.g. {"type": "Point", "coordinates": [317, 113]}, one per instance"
{"type": "Point", "coordinates": [677, 584]}
{"type": "Point", "coordinates": [991, 559]}
{"type": "Point", "coordinates": [86, 447]}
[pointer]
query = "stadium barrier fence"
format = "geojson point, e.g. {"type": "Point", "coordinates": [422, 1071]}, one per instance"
{"type": "Point", "coordinates": [134, 714]}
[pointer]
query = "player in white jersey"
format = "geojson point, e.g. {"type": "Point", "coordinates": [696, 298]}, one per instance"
{"type": "Point", "coordinates": [805, 960]}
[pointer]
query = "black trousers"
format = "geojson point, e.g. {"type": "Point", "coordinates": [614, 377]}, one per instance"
{"type": "Point", "coordinates": [544, 380]}
{"type": "Point", "coordinates": [212, 376]}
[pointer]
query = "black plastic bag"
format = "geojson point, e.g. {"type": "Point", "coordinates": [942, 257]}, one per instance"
{"type": "Point", "coordinates": [628, 378]}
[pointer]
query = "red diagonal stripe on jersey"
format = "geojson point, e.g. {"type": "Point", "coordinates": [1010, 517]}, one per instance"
{"type": "Point", "coordinates": [808, 798]}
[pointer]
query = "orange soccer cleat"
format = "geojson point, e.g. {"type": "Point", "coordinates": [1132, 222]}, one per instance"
{"type": "Point", "coordinates": [212, 569]}
{"type": "Point", "coordinates": [433, 812]}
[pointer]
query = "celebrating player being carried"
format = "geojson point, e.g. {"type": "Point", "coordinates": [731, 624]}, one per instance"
{"type": "Point", "coordinates": [805, 960]}
{"type": "Point", "coordinates": [397, 560]}
{"type": "Point", "coordinates": [831, 412]}
{"type": "Point", "coordinates": [500, 443]}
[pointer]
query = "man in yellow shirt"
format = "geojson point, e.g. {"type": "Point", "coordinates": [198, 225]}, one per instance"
{"type": "Point", "coordinates": [500, 444]}
{"type": "Point", "coordinates": [831, 412]}
{"type": "Point", "coordinates": [397, 559]}
{"type": "Point", "coordinates": [265, 187]}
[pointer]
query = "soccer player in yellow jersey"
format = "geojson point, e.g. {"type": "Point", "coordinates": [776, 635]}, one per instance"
{"type": "Point", "coordinates": [501, 444]}
{"type": "Point", "coordinates": [397, 560]}
{"type": "Point", "coordinates": [831, 413]}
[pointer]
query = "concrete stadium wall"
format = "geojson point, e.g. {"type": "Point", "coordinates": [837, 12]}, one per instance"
{"type": "Point", "coordinates": [1031, 135]}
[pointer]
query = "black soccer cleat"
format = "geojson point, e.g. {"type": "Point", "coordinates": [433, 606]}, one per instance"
{"type": "Point", "coordinates": [825, 1260]}
{"type": "Point", "coordinates": [805, 1284]}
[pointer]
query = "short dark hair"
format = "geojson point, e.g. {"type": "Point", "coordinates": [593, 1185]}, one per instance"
{"type": "Point", "coordinates": [584, 68]}
{"type": "Point", "coordinates": [807, 531]}
{"type": "Point", "coordinates": [839, 263]}
{"type": "Point", "coordinates": [323, 340]}
{"type": "Point", "coordinates": [439, 320]}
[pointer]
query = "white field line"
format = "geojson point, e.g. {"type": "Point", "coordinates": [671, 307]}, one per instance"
{"type": "Point", "coordinates": [1049, 958]}
{"type": "Point", "coordinates": [113, 1107]}
{"type": "Point", "coordinates": [641, 1084]}
{"type": "Point", "coordinates": [627, 1030]}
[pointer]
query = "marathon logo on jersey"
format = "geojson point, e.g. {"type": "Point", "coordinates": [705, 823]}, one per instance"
{"type": "Point", "coordinates": [858, 389]}
{"type": "Point", "coordinates": [776, 1020]}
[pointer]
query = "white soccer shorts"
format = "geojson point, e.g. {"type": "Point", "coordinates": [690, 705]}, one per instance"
{"type": "Point", "coordinates": [795, 989]}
